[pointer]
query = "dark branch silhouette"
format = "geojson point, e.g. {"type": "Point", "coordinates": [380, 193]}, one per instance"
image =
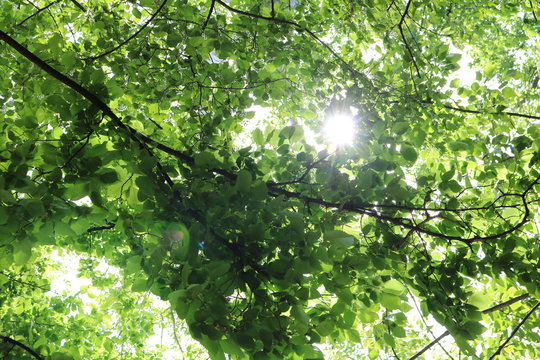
{"type": "Point", "coordinates": [209, 15]}
{"type": "Point", "coordinates": [22, 346]}
{"type": "Point", "coordinates": [78, 4]}
{"type": "Point", "coordinates": [100, 228]}
{"type": "Point", "coordinates": [132, 133]}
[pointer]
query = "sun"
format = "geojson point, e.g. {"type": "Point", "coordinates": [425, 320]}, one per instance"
{"type": "Point", "coordinates": [340, 129]}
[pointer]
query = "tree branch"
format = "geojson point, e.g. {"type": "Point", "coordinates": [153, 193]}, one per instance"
{"type": "Point", "coordinates": [38, 12]}
{"type": "Point", "coordinates": [407, 46]}
{"type": "Point", "coordinates": [515, 331]}
{"type": "Point", "coordinates": [132, 133]}
{"type": "Point", "coordinates": [100, 228]}
{"type": "Point", "coordinates": [22, 346]}
{"type": "Point", "coordinates": [506, 303]}
{"type": "Point", "coordinates": [532, 9]}
{"type": "Point", "coordinates": [509, 113]}
{"type": "Point", "coordinates": [486, 311]}
{"type": "Point", "coordinates": [299, 27]}
{"type": "Point", "coordinates": [402, 222]}
{"type": "Point", "coordinates": [209, 15]}
{"type": "Point", "coordinates": [91, 58]}
{"type": "Point", "coordinates": [77, 4]}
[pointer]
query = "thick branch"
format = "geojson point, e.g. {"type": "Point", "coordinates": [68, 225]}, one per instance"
{"type": "Point", "coordinates": [506, 303]}
{"type": "Point", "coordinates": [132, 133]}
{"type": "Point", "coordinates": [22, 346]}
{"type": "Point", "coordinates": [100, 228]}
{"type": "Point", "coordinates": [209, 15]}
{"type": "Point", "coordinates": [78, 4]}
{"type": "Point", "coordinates": [486, 311]}
{"type": "Point", "coordinates": [132, 36]}
{"type": "Point", "coordinates": [515, 331]}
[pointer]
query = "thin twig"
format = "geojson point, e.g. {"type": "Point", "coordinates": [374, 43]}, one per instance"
{"type": "Point", "coordinates": [391, 4]}
{"type": "Point", "coordinates": [515, 331]}
{"type": "Point", "coordinates": [509, 113]}
{"type": "Point", "coordinates": [246, 87]}
{"type": "Point", "coordinates": [428, 346]}
{"type": "Point", "coordinates": [486, 311]}
{"type": "Point", "coordinates": [298, 26]}
{"type": "Point", "coordinates": [532, 9]}
{"type": "Point", "coordinates": [131, 37]}
{"type": "Point", "coordinates": [175, 335]}
{"type": "Point", "coordinates": [426, 324]}
{"type": "Point", "coordinates": [400, 27]}
{"type": "Point", "coordinates": [37, 12]}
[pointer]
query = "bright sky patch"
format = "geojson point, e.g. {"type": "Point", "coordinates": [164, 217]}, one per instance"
{"type": "Point", "coordinates": [339, 129]}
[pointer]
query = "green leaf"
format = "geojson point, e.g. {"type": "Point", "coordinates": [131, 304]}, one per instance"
{"type": "Point", "coordinates": [325, 328]}
{"type": "Point", "coordinates": [389, 340]}
{"type": "Point", "coordinates": [243, 181]}
{"type": "Point", "coordinates": [394, 287]}
{"type": "Point", "coordinates": [390, 301]}
{"type": "Point", "coordinates": [508, 92]}
{"type": "Point", "coordinates": [108, 176]}
{"type": "Point", "coordinates": [408, 152]}
{"type": "Point", "coordinates": [245, 340]}
{"type": "Point", "coordinates": [230, 347]}
{"type": "Point", "coordinates": [4, 215]}
{"type": "Point", "coordinates": [23, 252]}
{"type": "Point", "coordinates": [139, 285]}
{"type": "Point", "coordinates": [339, 238]}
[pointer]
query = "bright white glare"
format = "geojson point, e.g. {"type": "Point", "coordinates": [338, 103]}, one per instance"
{"type": "Point", "coordinates": [340, 129]}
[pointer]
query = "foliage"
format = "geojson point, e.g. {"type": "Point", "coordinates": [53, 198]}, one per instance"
{"type": "Point", "coordinates": [130, 133]}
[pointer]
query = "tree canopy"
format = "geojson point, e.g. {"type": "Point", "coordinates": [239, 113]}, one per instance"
{"type": "Point", "coordinates": [181, 142]}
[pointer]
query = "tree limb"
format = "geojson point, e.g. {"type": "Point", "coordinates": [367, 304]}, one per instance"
{"type": "Point", "coordinates": [209, 15]}
{"type": "Point", "coordinates": [509, 113]}
{"type": "Point", "coordinates": [132, 133]}
{"type": "Point", "coordinates": [532, 9]}
{"type": "Point", "coordinates": [22, 346]}
{"type": "Point", "coordinates": [77, 4]}
{"type": "Point", "coordinates": [100, 228]}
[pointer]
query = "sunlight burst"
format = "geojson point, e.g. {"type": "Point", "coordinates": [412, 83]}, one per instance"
{"type": "Point", "coordinates": [340, 129]}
